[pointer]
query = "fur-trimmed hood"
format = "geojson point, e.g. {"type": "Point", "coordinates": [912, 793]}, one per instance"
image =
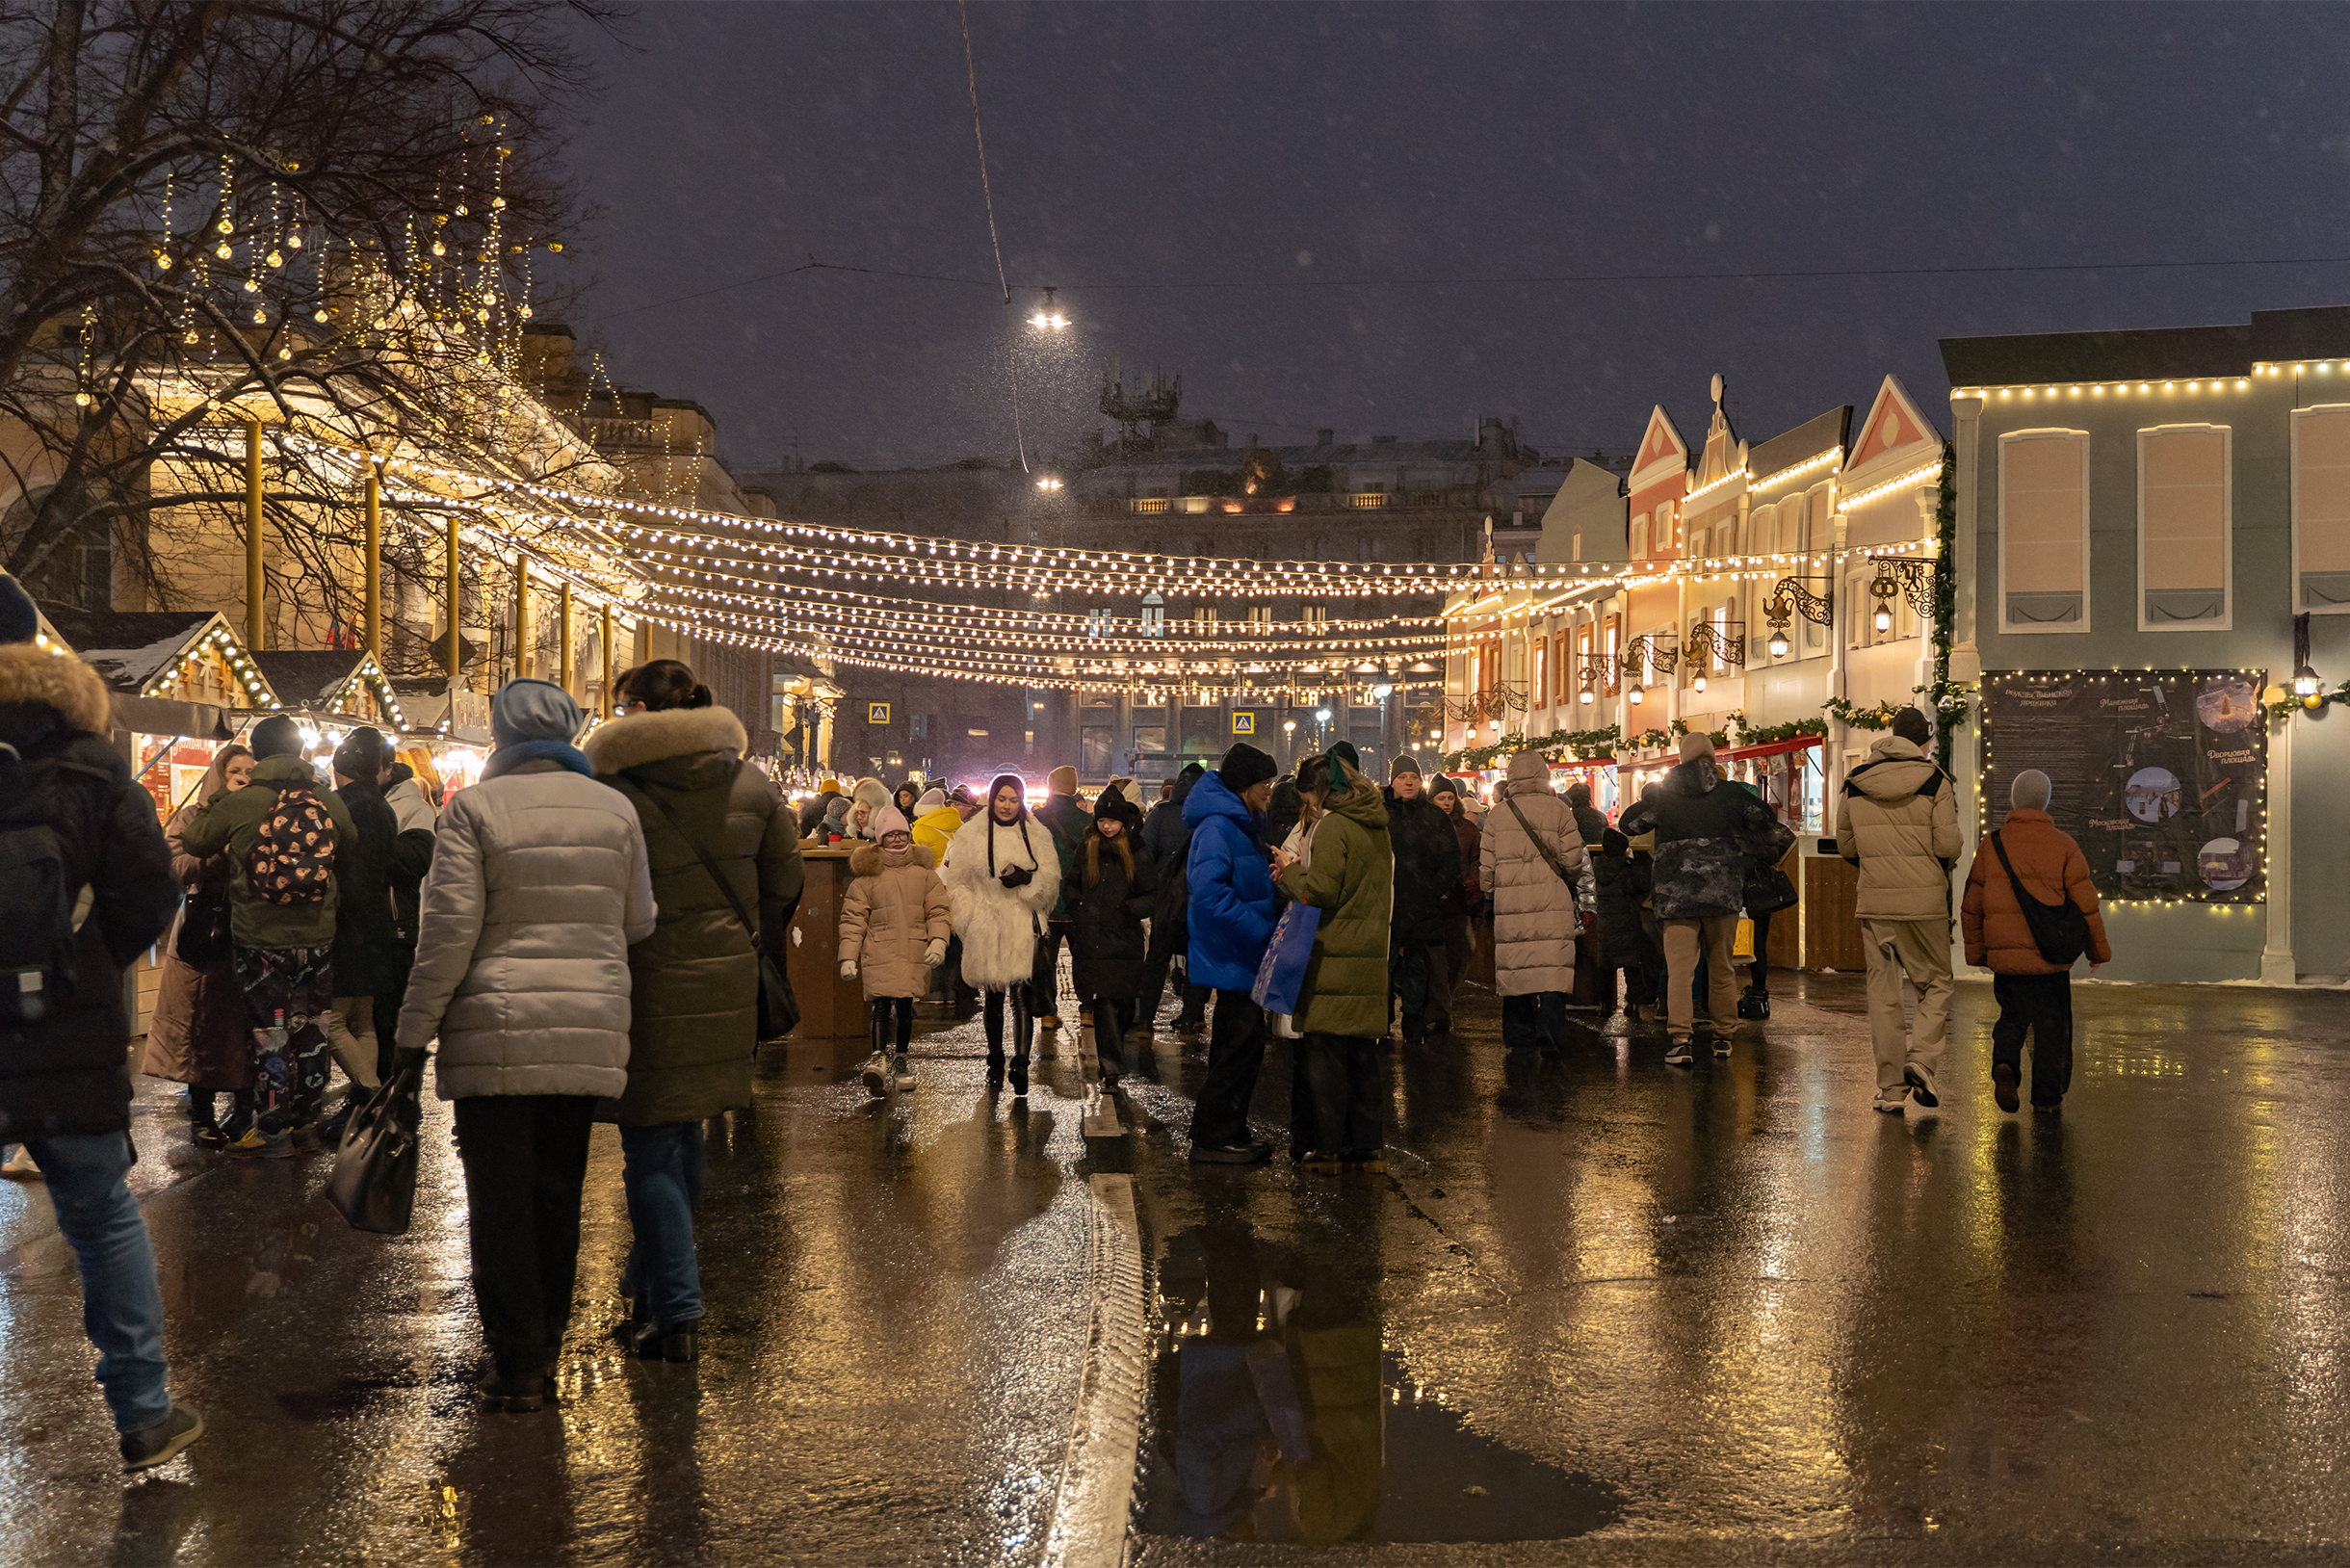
{"type": "Point", "coordinates": [32, 675]}
{"type": "Point", "coordinates": [633, 740]}
{"type": "Point", "coordinates": [865, 860]}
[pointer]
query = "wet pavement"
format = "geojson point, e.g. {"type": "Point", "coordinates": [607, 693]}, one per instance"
{"type": "Point", "coordinates": [1598, 1310]}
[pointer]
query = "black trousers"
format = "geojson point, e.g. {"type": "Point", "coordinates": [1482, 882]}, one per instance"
{"type": "Point", "coordinates": [525, 1159]}
{"type": "Point", "coordinates": [1757, 972]}
{"type": "Point", "coordinates": [1111, 1015]}
{"type": "Point", "coordinates": [1155, 990]}
{"type": "Point", "coordinates": [2041, 1004]}
{"type": "Point", "coordinates": [1539, 1018]}
{"type": "Point", "coordinates": [1044, 983]}
{"type": "Point", "coordinates": [893, 1020]}
{"type": "Point", "coordinates": [1235, 1051]}
{"type": "Point", "coordinates": [1344, 1070]}
{"type": "Point", "coordinates": [991, 1014]}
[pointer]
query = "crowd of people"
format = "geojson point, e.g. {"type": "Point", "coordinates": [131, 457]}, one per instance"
{"type": "Point", "coordinates": [587, 934]}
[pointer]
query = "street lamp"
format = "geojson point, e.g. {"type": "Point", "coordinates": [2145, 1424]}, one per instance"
{"type": "Point", "coordinates": [1048, 483]}
{"type": "Point", "coordinates": [1047, 316]}
{"type": "Point", "coordinates": [1636, 696]}
{"type": "Point", "coordinates": [1779, 643]}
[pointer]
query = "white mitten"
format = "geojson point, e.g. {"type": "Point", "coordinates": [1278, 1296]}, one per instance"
{"type": "Point", "coordinates": [936, 953]}
{"type": "Point", "coordinates": [849, 969]}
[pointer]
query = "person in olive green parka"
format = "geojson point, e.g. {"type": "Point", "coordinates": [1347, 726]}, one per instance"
{"type": "Point", "coordinates": [695, 1001]}
{"type": "Point", "coordinates": [1346, 868]}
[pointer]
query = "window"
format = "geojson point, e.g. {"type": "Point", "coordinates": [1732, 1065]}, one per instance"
{"type": "Point", "coordinates": [1097, 623]}
{"type": "Point", "coordinates": [1578, 543]}
{"type": "Point", "coordinates": [1639, 537]}
{"type": "Point", "coordinates": [2321, 508]}
{"type": "Point", "coordinates": [1148, 502]}
{"type": "Point", "coordinates": [1537, 685]}
{"type": "Point", "coordinates": [1093, 749]}
{"type": "Point", "coordinates": [2043, 532]}
{"type": "Point", "coordinates": [1612, 646]}
{"type": "Point", "coordinates": [1697, 544]}
{"type": "Point", "coordinates": [1151, 740]}
{"type": "Point", "coordinates": [1563, 675]}
{"type": "Point", "coordinates": [1261, 613]}
{"type": "Point", "coordinates": [1204, 614]}
{"type": "Point", "coordinates": [918, 726]}
{"type": "Point", "coordinates": [1583, 658]}
{"type": "Point", "coordinates": [1317, 618]}
{"type": "Point", "coordinates": [2182, 528]}
{"type": "Point", "coordinates": [1154, 616]}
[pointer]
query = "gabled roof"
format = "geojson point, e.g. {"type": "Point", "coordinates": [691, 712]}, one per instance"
{"type": "Point", "coordinates": [1894, 425]}
{"type": "Point", "coordinates": [1821, 432]}
{"type": "Point", "coordinates": [1661, 450]}
{"type": "Point", "coordinates": [130, 647]}
{"type": "Point", "coordinates": [310, 677]}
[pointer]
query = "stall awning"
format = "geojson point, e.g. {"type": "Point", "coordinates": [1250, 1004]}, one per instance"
{"type": "Point", "coordinates": [161, 715]}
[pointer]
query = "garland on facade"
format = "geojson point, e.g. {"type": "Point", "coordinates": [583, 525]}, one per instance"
{"type": "Point", "coordinates": [1878, 718]}
{"type": "Point", "coordinates": [1565, 745]}
{"type": "Point", "coordinates": [1771, 734]}
{"type": "Point", "coordinates": [1947, 698]}
{"type": "Point", "coordinates": [2280, 711]}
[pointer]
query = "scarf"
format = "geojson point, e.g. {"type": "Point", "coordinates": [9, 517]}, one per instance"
{"type": "Point", "coordinates": [506, 758]}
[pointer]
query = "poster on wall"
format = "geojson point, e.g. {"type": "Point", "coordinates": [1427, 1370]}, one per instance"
{"type": "Point", "coordinates": [2161, 775]}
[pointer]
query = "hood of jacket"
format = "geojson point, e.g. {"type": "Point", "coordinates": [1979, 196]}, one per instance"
{"type": "Point", "coordinates": [1363, 805]}
{"type": "Point", "coordinates": [865, 860]}
{"type": "Point", "coordinates": [1186, 780]}
{"type": "Point", "coordinates": [1528, 775]}
{"type": "Point", "coordinates": [282, 770]}
{"type": "Point", "coordinates": [1695, 777]}
{"type": "Point", "coordinates": [704, 743]}
{"type": "Point", "coordinates": [1895, 770]}
{"type": "Point", "coordinates": [1210, 798]}
{"type": "Point", "coordinates": [35, 677]}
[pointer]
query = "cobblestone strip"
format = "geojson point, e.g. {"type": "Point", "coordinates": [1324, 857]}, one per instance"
{"type": "Point", "coordinates": [1097, 1478]}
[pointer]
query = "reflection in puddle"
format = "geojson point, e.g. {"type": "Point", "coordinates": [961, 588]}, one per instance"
{"type": "Point", "coordinates": [1278, 1415]}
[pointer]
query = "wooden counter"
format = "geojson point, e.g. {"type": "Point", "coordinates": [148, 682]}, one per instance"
{"type": "Point", "coordinates": [830, 1007]}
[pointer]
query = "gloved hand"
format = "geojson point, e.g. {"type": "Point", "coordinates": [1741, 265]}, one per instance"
{"type": "Point", "coordinates": [936, 953]}
{"type": "Point", "coordinates": [849, 969]}
{"type": "Point", "coordinates": [1017, 876]}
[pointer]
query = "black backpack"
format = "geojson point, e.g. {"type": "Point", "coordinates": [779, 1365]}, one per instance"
{"type": "Point", "coordinates": [36, 896]}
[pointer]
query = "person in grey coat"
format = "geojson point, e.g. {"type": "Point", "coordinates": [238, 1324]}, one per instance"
{"type": "Point", "coordinates": [1533, 858]}
{"type": "Point", "coordinates": [539, 885]}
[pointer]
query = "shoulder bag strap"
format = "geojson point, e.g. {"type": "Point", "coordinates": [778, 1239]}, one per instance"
{"type": "Point", "coordinates": [725, 887]}
{"type": "Point", "coordinates": [1550, 857]}
{"type": "Point", "coordinates": [2023, 900]}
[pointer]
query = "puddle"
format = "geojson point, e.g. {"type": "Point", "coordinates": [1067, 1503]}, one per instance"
{"type": "Point", "coordinates": [1289, 1438]}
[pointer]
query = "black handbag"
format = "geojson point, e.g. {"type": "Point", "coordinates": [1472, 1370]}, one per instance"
{"type": "Point", "coordinates": [203, 928]}
{"type": "Point", "coordinates": [374, 1182]}
{"type": "Point", "coordinates": [778, 1006]}
{"type": "Point", "coordinates": [2060, 931]}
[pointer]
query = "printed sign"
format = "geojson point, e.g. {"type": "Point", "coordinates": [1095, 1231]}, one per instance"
{"type": "Point", "coordinates": [876, 713]}
{"type": "Point", "coordinates": [2161, 775]}
{"type": "Point", "coordinates": [1243, 723]}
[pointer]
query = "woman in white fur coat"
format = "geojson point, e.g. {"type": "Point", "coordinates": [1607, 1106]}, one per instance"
{"type": "Point", "coordinates": [1003, 876]}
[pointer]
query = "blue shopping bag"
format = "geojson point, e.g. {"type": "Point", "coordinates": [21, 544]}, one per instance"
{"type": "Point", "coordinates": [1282, 971]}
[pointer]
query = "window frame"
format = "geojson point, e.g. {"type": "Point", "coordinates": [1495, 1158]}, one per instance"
{"type": "Point", "coordinates": [2225, 622]}
{"type": "Point", "coordinates": [2088, 583]}
{"type": "Point", "coordinates": [2302, 606]}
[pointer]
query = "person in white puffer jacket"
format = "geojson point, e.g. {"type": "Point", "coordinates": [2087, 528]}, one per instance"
{"type": "Point", "coordinates": [539, 885]}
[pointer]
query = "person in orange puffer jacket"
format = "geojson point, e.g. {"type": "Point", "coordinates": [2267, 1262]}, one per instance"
{"type": "Point", "coordinates": [2035, 996]}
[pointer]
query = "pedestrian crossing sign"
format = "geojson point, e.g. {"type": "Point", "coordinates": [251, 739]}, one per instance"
{"type": "Point", "coordinates": [1243, 723]}
{"type": "Point", "coordinates": [876, 713]}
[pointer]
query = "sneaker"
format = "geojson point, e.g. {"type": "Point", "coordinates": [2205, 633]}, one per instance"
{"type": "Point", "coordinates": [331, 1131]}
{"type": "Point", "coordinates": [205, 1135]}
{"type": "Point", "coordinates": [903, 1080]}
{"type": "Point", "coordinates": [1721, 1045]}
{"type": "Point", "coordinates": [1247, 1152]}
{"type": "Point", "coordinates": [2049, 1107]}
{"type": "Point", "coordinates": [1920, 1086]}
{"type": "Point", "coordinates": [2003, 1086]}
{"type": "Point", "coordinates": [1891, 1101]}
{"type": "Point", "coordinates": [1680, 1055]}
{"type": "Point", "coordinates": [20, 1166]}
{"type": "Point", "coordinates": [875, 1074]}
{"type": "Point", "coordinates": [1020, 1076]}
{"type": "Point", "coordinates": [160, 1444]}
{"type": "Point", "coordinates": [260, 1145]}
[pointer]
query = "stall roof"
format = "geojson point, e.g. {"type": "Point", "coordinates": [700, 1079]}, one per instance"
{"type": "Point", "coordinates": [130, 648]}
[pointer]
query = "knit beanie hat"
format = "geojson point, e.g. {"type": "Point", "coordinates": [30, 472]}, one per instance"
{"type": "Point", "coordinates": [1244, 767]}
{"type": "Point", "coordinates": [19, 621]}
{"type": "Point", "coordinates": [932, 800]}
{"type": "Point", "coordinates": [830, 786]}
{"type": "Point", "coordinates": [275, 736]}
{"type": "Point", "coordinates": [2030, 791]}
{"type": "Point", "coordinates": [889, 820]}
{"type": "Point", "coordinates": [530, 710]}
{"type": "Point", "coordinates": [1114, 804]}
{"type": "Point", "coordinates": [1061, 781]}
{"type": "Point", "coordinates": [1912, 726]}
{"type": "Point", "coordinates": [1405, 763]}
{"type": "Point", "coordinates": [1344, 751]}
{"type": "Point", "coordinates": [360, 756]}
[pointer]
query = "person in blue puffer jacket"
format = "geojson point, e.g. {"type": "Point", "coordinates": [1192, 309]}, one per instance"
{"type": "Point", "coordinates": [1231, 918]}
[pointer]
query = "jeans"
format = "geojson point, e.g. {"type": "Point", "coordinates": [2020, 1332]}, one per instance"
{"type": "Point", "coordinates": [991, 1012]}
{"type": "Point", "coordinates": [2041, 1006]}
{"type": "Point", "coordinates": [1538, 1018]}
{"type": "Point", "coordinates": [1344, 1070]}
{"type": "Point", "coordinates": [1921, 950]}
{"type": "Point", "coordinates": [288, 1080]}
{"type": "Point", "coordinates": [121, 1302]}
{"type": "Point", "coordinates": [662, 1173]}
{"type": "Point", "coordinates": [1687, 943]}
{"type": "Point", "coordinates": [525, 1159]}
{"type": "Point", "coordinates": [1235, 1051]}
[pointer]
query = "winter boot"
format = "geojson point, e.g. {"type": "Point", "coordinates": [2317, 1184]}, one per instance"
{"type": "Point", "coordinates": [1020, 1076]}
{"type": "Point", "coordinates": [875, 1074]}
{"type": "Point", "coordinates": [904, 1074]}
{"type": "Point", "coordinates": [995, 1069]}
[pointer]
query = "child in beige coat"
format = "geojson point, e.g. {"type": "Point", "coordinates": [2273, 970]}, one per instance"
{"type": "Point", "coordinates": [894, 929]}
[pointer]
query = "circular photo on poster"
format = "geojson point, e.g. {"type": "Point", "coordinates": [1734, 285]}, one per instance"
{"type": "Point", "coordinates": [2152, 795]}
{"type": "Point", "coordinates": [2226, 706]}
{"type": "Point", "coordinates": [2224, 863]}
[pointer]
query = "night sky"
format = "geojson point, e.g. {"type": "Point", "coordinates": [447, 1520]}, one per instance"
{"type": "Point", "coordinates": [1423, 145]}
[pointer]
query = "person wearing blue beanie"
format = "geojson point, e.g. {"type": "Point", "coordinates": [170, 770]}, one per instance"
{"type": "Point", "coordinates": [19, 621]}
